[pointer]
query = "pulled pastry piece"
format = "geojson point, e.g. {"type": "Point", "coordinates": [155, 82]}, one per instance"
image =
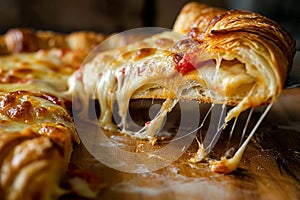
{"type": "Point", "coordinates": [235, 57]}
{"type": "Point", "coordinates": [36, 127]}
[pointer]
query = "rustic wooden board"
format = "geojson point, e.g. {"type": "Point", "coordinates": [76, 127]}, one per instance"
{"type": "Point", "coordinates": [269, 168]}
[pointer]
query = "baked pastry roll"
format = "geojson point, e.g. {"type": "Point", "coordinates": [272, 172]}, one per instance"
{"type": "Point", "coordinates": [36, 128]}
{"type": "Point", "coordinates": [235, 57]}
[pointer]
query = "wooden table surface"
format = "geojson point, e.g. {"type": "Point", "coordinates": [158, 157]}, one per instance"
{"type": "Point", "coordinates": [270, 167]}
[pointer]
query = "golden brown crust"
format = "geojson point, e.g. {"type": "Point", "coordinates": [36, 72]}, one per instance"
{"type": "Point", "coordinates": [27, 160]}
{"type": "Point", "coordinates": [26, 40]}
{"type": "Point", "coordinates": [243, 22]}
{"type": "Point", "coordinates": [195, 15]}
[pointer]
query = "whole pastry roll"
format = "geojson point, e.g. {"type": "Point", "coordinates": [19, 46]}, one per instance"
{"type": "Point", "coordinates": [36, 127]}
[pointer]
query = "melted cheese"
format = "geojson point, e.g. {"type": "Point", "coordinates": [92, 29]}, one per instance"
{"type": "Point", "coordinates": [34, 110]}
{"type": "Point", "coordinates": [46, 70]}
{"type": "Point", "coordinates": [119, 79]}
{"type": "Point", "coordinates": [229, 165]}
{"type": "Point", "coordinates": [141, 69]}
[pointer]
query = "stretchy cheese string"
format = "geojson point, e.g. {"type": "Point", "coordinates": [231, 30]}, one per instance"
{"type": "Point", "coordinates": [228, 165]}
{"type": "Point", "coordinates": [213, 140]}
{"type": "Point", "coordinates": [197, 129]}
{"type": "Point", "coordinates": [246, 125]}
{"type": "Point", "coordinates": [231, 131]}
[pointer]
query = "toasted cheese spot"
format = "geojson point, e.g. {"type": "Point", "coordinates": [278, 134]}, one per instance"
{"type": "Point", "coordinates": [25, 106]}
{"type": "Point", "coordinates": [19, 111]}
{"type": "Point", "coordinates": [40, 112]}
{"type": "Point", "coordinates": [21, 71]}
{"type": "Point", "coordinates": [142, 53]}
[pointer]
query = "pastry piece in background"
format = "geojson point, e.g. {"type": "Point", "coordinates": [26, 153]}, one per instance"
{"type": "Point", "coordinates": [36, 128]}
{"type": "Point", "coordinates": [27, 40]}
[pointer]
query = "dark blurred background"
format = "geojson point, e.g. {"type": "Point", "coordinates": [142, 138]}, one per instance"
{"type": "Point", "coordinates": [109, 16]}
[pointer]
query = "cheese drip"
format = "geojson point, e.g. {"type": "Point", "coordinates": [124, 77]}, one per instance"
{"type": "Point", "coordinates": [126, 84]}
{"type": "Point", "coordinates": [154, 126]}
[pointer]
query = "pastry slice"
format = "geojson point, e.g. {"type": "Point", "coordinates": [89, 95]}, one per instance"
{"type": "Point", "coordinates": [235, 58]}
